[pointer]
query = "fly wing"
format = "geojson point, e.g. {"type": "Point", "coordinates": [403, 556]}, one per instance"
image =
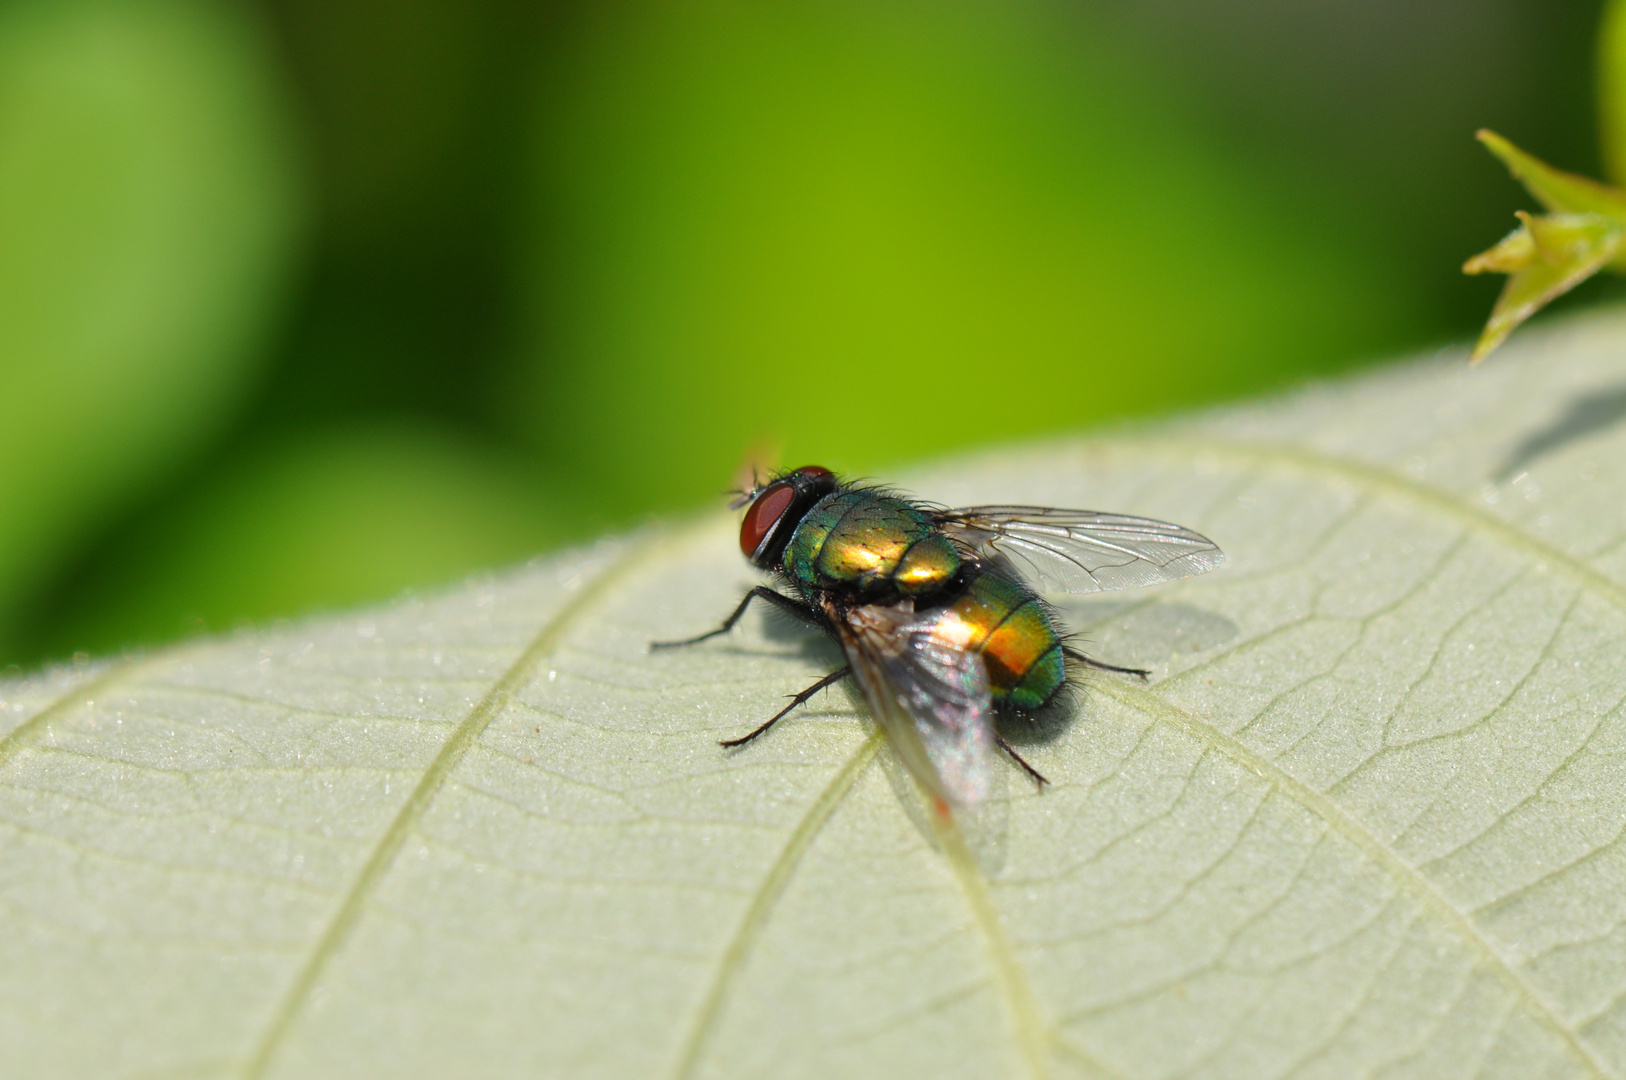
{"type": "Point", "coordinates": [931, 699]}
{"type": "Point", "coordinates": [1081, 551]}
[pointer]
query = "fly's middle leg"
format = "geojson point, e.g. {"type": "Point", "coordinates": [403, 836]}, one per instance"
{"type": "Point", "coordinates": [795, 700]}
{"type": "Point", "coordinates": [761, 592]}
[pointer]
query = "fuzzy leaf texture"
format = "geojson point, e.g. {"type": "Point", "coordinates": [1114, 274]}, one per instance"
{"type": "Point", "coordinates": [1367, 817]}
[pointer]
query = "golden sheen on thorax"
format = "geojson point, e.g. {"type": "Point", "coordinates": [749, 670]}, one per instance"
{"type": "Point", "coordinates": [927, 566]}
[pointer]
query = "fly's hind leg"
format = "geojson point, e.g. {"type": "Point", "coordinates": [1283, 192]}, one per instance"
{"type": "Point", "coordinates": [761, 592]}
{"type": "Point", "coordinates": [795, 700]}
{"type": "Point", "coordinates": [1073, 654]}
{"type": "Point", "coordinates": [1038, 777]}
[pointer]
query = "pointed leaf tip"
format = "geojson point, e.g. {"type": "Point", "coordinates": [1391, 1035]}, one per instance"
{"type": "Point", "coordinates": [1512, 253]}
{"type": "Point", "coordinates": [1558, 191]}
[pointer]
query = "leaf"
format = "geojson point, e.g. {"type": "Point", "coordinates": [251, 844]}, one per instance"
{"type": "Point", "coordinates": [1611, 75]}
{"type": "Point", "coordinates": [1547, 256]}
{"type": "Point", "coordinates": [1559, 191]}
{"type": "Point", "coordinates": [150, 213]}
{"type": "Point", "coordinates": [317, 518]}
{"type": "Point", "coordinates": [1366, 819]}
{"type": "Point", "coordinates": [797, 191]}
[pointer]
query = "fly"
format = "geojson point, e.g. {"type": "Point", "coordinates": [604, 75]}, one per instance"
{"type": "Point", "coordinates": [936, 610]}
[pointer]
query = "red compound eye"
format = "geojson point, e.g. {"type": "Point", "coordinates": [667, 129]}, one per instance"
{"type": "Point", "coordinates": [764, 514]}
{"type": "Point", "coordinates": [817, 471]}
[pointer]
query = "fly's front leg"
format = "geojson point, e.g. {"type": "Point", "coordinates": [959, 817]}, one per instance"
{"type": "Point", "coordinates": [1073, 654]}
{"type": "Point", "coordinates": [761, 592]}
{"type": "Point", "coordinates": [795, 700]}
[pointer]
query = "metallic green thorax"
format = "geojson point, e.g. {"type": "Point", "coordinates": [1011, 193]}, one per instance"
{"type": "Point", "coordinates": [864, 542]}
{"type": "Point", "coordinates": [869, 542]}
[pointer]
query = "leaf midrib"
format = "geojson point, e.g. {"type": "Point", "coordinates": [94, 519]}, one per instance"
{"type": "Point", "coordinates": [462, 739]}
{"type": "Point", "coordinates": [763, 899]}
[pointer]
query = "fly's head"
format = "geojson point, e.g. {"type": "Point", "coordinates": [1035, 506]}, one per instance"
{"type": "Point", "coordinates": [773, 510]}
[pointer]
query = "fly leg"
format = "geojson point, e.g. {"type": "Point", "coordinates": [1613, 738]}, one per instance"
{"type": "Point", "coordinates": [1038, 777]}
{"type": "Point", "coordinates": [1074, 654]}
{"type": "Point", "coordinates": [762, 592]}
{"type": "Point", "coordinates": [795, 700]}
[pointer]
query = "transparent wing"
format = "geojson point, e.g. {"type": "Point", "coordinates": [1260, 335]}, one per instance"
{"type": "Point", "coordinates": [931, 699]}
{"type": "Point", "coordinates": [1081, 551]}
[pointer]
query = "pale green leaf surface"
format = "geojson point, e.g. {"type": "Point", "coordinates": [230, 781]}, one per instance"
{"type": "Point", "coordinates": [1366, 819]}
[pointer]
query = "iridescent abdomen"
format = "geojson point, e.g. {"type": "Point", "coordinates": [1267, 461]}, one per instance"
{"type": "Point", "coordinates": [1001, 619]}
{"type": "Point", "coordinates": [869, 543]}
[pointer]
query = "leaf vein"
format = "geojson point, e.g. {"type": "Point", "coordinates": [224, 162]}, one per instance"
{"type": "Point", "coordinates": [24, 732]}
{"type": "Point", "coordinates": [451, 753]}
{"type": "Point", "coordinates": [1382, 479]}
{"type": "Point", "coordinates": [766, 896]}
{"type": "Point", "coordinates": [1152, 704]}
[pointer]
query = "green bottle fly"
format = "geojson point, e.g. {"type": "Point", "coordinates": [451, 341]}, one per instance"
{"type": "Point", "coordinates": [940, 629]}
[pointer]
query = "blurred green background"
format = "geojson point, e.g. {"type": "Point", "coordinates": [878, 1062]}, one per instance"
{"type": "Point", "coordinates": [306, 302]}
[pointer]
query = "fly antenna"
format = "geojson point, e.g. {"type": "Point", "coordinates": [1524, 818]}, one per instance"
{"type": "Point", "coordinates": [745, 495]}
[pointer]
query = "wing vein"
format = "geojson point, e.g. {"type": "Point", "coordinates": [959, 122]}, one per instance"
{"type": "Point", "coordinates": [1082, 550]}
